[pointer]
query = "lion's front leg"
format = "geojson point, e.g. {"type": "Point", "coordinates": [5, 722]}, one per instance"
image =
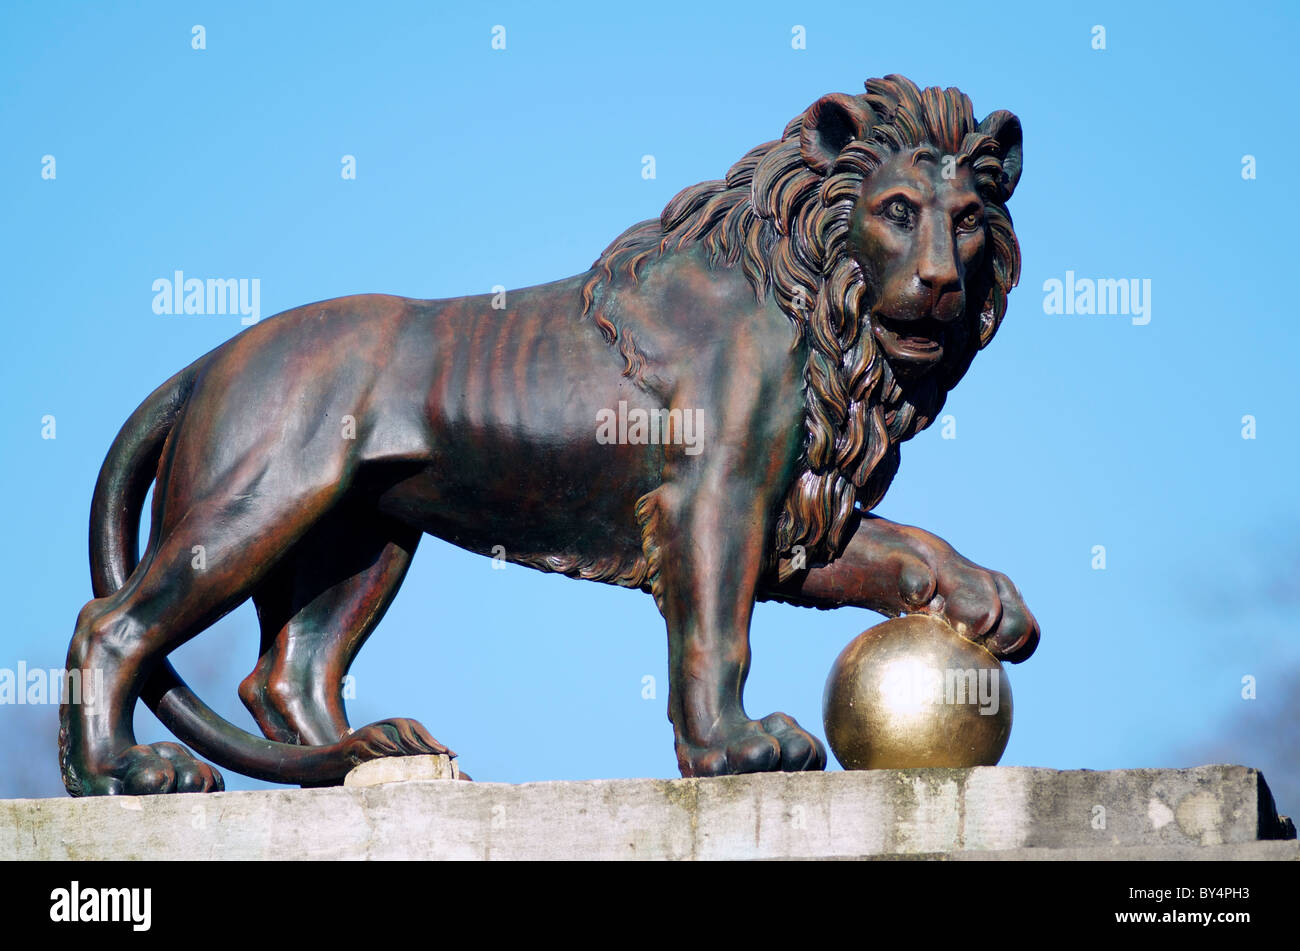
{"type": "Point", "coordinates": [708, 552]}
{"type": "Point", "coordinates": [897, 569]}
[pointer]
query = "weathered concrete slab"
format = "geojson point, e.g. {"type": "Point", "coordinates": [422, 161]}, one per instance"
{"type": "Point", "coordinates": [928, 812]}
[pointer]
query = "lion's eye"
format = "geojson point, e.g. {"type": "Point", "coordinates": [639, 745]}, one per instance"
{"type": "Point", "coordinates": [899, 211]}
{"type": "Point", "coordinates": [970, 222]}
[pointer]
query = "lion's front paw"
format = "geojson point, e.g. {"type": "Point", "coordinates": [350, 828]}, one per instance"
{"type": "Point", "coordinates": [984, 606]}
{"type": "Point", "coordinates": [774, 743]}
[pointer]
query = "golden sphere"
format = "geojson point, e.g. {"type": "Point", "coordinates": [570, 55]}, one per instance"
{"type": "Point", "coordinates": [913, 692]}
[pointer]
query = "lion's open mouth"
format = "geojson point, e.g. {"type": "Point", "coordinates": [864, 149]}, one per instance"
{"type": "Point", "coordinates": [919, 339]}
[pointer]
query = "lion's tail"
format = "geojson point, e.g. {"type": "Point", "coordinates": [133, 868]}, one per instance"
{"type": "Point", "coordinates": [124, 480]}
{"type": "Point", "coordinates": [115, 511]}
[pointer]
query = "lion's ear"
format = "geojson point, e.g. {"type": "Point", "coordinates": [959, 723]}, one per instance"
{"type": "Point", "coordinates": [1004, 127]}
{"type": "Point", "coordinates": [831, 123]}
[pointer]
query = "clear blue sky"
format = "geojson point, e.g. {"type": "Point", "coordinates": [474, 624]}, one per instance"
{"type": "Point", "coordinates": [478, 167]}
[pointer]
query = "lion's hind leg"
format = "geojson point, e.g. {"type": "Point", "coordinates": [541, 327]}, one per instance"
{"type": "Point", "coordinates": [316, 609]}
{"type": "Point", "coordinates": [216, 537]}
{"type": "Point", "coordinates": [202, 562]}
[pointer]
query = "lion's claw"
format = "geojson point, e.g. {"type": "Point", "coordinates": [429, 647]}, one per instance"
{"type": "Point", "coordinates": [981, 605]}
{"type": "Point", "coordinates": [1016, 635]}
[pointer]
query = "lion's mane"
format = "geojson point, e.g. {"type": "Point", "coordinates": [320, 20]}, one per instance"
{"type": "Point", "coordinates": [787, 227]}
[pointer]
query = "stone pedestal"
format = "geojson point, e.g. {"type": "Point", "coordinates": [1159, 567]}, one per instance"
{"type": "Point", "coordinates": [985, 812]}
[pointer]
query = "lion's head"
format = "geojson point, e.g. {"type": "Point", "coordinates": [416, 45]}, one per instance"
{"type": "Point", "coordinates": [879, 224]}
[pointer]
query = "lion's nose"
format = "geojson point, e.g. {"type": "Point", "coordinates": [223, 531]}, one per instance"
{"type": "Point", "coordinates": [940, 299]}
{"type": "Point", "coordinates": [937, 271]}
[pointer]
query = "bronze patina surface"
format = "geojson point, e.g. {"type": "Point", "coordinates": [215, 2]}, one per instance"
{"type": "Point", "coordinates": [709, 414]}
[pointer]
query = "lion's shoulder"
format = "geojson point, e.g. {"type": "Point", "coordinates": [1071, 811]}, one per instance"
{"type": "Point", "coordinates": [698, 295]}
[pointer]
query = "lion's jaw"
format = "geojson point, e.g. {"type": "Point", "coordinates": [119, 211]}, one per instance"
{"type": "Point", "coordinates": [911, 344]}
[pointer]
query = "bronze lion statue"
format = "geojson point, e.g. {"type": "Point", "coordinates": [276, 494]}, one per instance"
{"type": "Point", "coordinates": [709, 414]}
